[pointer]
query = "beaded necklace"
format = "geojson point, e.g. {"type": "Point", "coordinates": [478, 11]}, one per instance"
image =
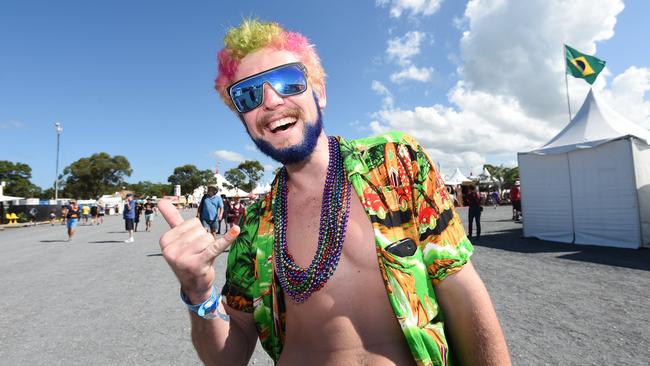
{"type": "Point", "coordinates": [301, 283]}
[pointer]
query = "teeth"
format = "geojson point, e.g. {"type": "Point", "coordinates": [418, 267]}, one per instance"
{"type": "Point", "coordinates": [281, 122]}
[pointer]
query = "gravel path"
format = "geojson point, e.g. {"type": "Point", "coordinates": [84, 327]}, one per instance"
{"type": "Point", "coordinates": [100, 301]}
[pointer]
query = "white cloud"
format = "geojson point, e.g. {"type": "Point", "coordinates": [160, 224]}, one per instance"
{"type": "Point", "coordinates": [511, 95]}
{"type": "Point", "coordinates": [412, 73]}
{"type": "Point", "coordinates": [270, 167]}
{"type": "Point", "coordinates": [379, 88]}
{"type": "Point", "coordinates": [250, 147]}
{"type": "Point", "coordinates": [627, 95]}
{"type": "Point", "coordinates": [415, 7]}
{"type": "Point", "coordinates": [402, 49]}
{"type": "Point", "coordinates": [11, 124]}
{"type": "Point", "coordinates": [229, 155]}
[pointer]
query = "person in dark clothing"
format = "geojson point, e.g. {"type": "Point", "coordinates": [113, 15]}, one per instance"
{"type": "Point", "coordinates": [226, 214]}
{"type": "Point", "coordinates": [73, 214]}
{"type": "Point", "coordinates": [474, 212]}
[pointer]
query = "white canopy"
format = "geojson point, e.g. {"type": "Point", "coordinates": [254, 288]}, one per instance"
{"type": "Point", "coordinates": [456, 178]}
{"type": "Point", "coordinates": [222, 182]}
{"type": "Point", "coordinates": [590, 184]}
{"type": "Point", "coordinates": [262, 188]}
{"type": "Point", "coordinates": [595, 124]}
{"type": "Point", "coordinates": [4, 198]}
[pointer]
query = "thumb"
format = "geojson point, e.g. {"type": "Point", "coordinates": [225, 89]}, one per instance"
{"type": "Point", "coordinates": [170, 213]}
{"type": "Point", "coordinates": [226, 240]}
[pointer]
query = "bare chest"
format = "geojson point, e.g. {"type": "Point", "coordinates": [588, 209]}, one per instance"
{"type": "Point", "coordinates": [352, 309]}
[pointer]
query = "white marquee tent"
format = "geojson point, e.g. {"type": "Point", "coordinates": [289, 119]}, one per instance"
{"type": "Point", "coordinates": [591, 183]}
{"type": "Point", "coordinates": [457, 178]}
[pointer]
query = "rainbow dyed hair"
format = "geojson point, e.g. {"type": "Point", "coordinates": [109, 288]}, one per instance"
{"type": "Point", "coordinates": [252, 35]}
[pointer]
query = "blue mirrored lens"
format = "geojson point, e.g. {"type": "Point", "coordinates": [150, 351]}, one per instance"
{"type": "Point", "coordinates": [286, 80]}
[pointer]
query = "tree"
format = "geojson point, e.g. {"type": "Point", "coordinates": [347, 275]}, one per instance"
{"type": "Point", "coordinates": [236, 177]}
{"type": "Point", "coordinates": [189, 177]}
{"type": "Point", "coordinates": [507, 176]}
{"type": "Point", "coordinates": [93, 176]}
{"type": "Point", "coordinates": [148, 189]}
{"type": "Point", "coordinates": [246, 175]}
{"type": "Point", "coordinates": [17, 177]}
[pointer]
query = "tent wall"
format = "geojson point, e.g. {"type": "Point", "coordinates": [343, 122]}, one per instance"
{"type": "Point", "coordinates": [641, 153]}
{"type": "Point", "coordinates": [546, 197]}
{"type": "Point", "coordinates": [605, 206]}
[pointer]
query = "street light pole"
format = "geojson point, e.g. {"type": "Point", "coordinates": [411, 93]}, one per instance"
{"type": "Point", "coordinates": [59, 129]}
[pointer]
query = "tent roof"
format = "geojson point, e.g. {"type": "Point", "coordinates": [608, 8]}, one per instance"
{"type": "Point", "coordinates": [4, 198]}
{"type": "Point", "coordinates": [228, 192]}
{"type": "Point", "coordinates": [456, 178]}
{"type": "Point", "coordinates": [594, 124]}
{"type": "Point", "coordinates": [262, 188]}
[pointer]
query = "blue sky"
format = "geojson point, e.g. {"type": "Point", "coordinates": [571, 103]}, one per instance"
{"type": "Point", "coordinates": [136, 78]}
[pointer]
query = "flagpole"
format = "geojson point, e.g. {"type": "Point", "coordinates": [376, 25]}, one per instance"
{"type": "Point", "coordinates": [566, 81]}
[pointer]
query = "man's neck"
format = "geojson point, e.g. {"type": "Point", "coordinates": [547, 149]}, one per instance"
{"type": "Point", "coordinates": [310, 174]}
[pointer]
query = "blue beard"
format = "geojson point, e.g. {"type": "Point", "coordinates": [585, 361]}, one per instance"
{"type": "Point", "coordinates": [297, 153]}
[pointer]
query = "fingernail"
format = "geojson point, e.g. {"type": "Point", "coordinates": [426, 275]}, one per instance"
{"type": "Point", "coordinates": [233, 232]}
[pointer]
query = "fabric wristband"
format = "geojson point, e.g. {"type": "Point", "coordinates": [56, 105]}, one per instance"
{"type": "Point", "coordinates": [209, 309]}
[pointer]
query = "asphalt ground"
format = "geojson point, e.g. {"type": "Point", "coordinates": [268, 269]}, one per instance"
{"type": "Point", "coordinates": [100, 301]}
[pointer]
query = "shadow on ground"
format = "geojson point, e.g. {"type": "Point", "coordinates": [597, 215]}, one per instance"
{"type": "Point", "coordinates": [513, 241]}
{"type": "Point", "coordinates": [105, 241]}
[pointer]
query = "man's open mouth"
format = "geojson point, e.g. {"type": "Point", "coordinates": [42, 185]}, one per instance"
{"type": "Point", "coordinates": [282, 124]}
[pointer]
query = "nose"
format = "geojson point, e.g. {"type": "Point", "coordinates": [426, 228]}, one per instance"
{"type": "Point", "coordinates": [271, 98]}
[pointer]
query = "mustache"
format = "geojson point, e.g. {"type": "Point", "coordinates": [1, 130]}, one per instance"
{"type": "Point", "coordinates": [291, 112]}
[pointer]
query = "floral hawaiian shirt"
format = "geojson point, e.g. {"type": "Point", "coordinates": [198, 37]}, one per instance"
{"type": "Point", "coordinates": [404, 197]}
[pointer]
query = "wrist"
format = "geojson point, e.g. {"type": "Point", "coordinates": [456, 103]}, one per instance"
{"type": "Point", "coordinates": [196, 297]}
{"type": "Point", "coordinates": [208, 309]}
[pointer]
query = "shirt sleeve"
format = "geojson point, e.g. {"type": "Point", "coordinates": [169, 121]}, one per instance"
{"type": "Point", "coordinates": [442, 235]}
{"type": "Point", "coordinates": [240, 270]}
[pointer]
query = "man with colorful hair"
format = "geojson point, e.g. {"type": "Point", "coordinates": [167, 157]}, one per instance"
{"type": "Point", "coordinates": [356, 256]}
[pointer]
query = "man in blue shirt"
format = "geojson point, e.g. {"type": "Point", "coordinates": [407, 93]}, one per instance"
{"type": "Point", "coordinates": [210, 210]}
{"type": "Point", "coordinates": [129, 216]}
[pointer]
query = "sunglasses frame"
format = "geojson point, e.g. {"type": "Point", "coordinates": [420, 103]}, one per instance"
{"type": "Point", "coordinates": [299, 64]}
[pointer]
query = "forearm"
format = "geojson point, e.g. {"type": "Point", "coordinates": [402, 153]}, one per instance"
{"type": "Point", "coordinates": [219, 342]}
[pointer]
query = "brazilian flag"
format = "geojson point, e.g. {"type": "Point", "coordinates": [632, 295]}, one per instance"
{"type": "Point", "coordinates": [582, 66]}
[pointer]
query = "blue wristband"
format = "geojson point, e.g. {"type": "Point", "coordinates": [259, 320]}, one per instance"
{"type": "Point", "coordinates": [209, 309]}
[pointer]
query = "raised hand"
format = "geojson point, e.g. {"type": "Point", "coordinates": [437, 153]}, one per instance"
{"type": "Point", "coordinates": [190, 251]}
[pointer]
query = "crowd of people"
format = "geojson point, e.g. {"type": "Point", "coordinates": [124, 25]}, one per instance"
{"type": "Point", "coordinates": [215, 211]}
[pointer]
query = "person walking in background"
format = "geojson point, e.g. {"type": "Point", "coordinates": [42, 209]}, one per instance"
{"type": "Point", "coordinates": [515, 198]}
{"type": "Point", "coordinates": [129, 217]}
{"type": "Point", "coordinates": [52, 217]}
{"type": "Point", "coordinates": [93, 214]}
{"type": "Point", "coordinates": [64, 214]}
{"type": "Point", "coordinates": [85, 212]}
{"type": "Point", "coordinates": [73, 213]}
{"type": "Point", "coordinates": [148, 215]}
{"type": "Point", "coordinates": [138, 212]}
{"type": "Point", "coordinates": [32, 216]}
{"type": "Point", "coordinates": [210, 210]}
{"type": "Point", "coordinates": [236, 211]}
{"type": "Point", "coordinates": [495, 198]}
{"type": "Point", "coordinates": [474, 212]}
{"type": "Point", "coordinates": [226, 211]}
{"type": "Point", "coordinates": [101, 211]}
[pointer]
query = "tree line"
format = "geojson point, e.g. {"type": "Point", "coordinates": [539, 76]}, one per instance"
{"type": "Point", "coordinates": [101, 173]}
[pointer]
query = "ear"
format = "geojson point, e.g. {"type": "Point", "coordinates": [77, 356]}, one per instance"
{"type": "Point", "coordinates": [322, 96]}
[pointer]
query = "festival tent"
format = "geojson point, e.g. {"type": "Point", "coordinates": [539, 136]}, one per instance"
{"type": "Point", "coordinates": [4, 198]}
{"type": "Point", "coordinates": [262, 189]}
{"type": "Point", "coordinates": [590, 184]}
{"type": "Point", "coordinates": [457, 178]}
{"type": "Point", "coordinates": [229, 192]}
